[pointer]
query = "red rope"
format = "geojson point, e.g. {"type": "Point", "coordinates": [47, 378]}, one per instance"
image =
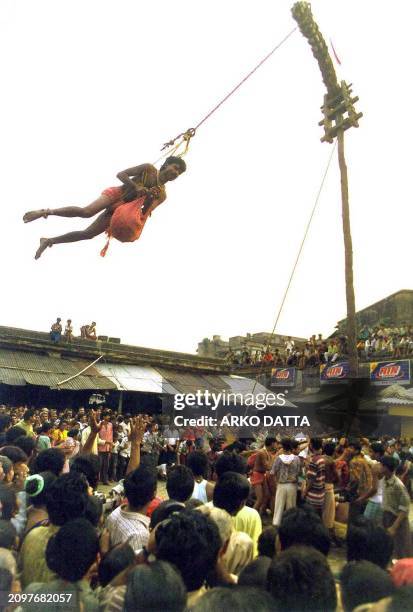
{"type": "Point", "coordinates": [211, 112]}
{"type": "Point", "coordinates": [245, 79]}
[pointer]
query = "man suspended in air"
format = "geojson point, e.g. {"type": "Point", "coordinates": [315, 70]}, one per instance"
{"type": "Point", "coordinates": [124, 209]}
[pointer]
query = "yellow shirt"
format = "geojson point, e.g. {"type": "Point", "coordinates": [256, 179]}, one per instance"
{"type": "Point", "coordinates": [33, 556]}
{"type": "Point", "coordinates": [249, 521]}
{"type": "Point", "coordinates": [59, 436]}
{"type": "Point", "coordinates": [28, 427]}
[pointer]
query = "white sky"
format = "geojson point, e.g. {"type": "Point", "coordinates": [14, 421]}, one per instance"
{"type": "Point", "coordinates": [90, 87]}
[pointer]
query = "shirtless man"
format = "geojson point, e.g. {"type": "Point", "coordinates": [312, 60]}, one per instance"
{"type": "Point", "coordinates": [139, 181]}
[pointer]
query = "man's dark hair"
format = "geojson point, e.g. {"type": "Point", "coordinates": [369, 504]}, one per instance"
{"type": "Point", "coordinates": [287, 444]}
{"type": "Point", "coordinates": [230, 462]}
{"type": "Point", "coordinates": [72, 433]}
{"type": "Point", "coordinates": [50, 460]}
{"type": "Point", "coordinates": [190, 541]}
{"type": "Point", "coordinates": [153, 587]}
{"type": "Point", "coordinates": [368, 542]}
{"type": "Point", "coordinates": [377, 447]}
{"type": "Point", "coordinates": [329, 448]}
{"type": "Point", "coordinates": [174, 160]}
{"type": "Point", "coordinates": [302, 526]}
{"type": "Point", "coordinates": [72, 550]}
{"type": "Point", "coordinates": [8, 502]}
{"type": "Point", "coordinates": [356, 444]}
{"type": "Point", "coordinates": [28, 414]}
{"type": "Point", "coordinates": [37, 490]}
{"type": "Point", "coordinates": [114, 562]}
{"type": "Point", "coordinates": [300, 579]}
{"type": "Point", "coordinates": [316, 443]}
{"type": "Point", "coordinates": [15, 454]}
{"type": "Point", "coordinates": [266, 542]}
{"type": "Point", "coordinates": [231, 491]}
{"type": "Point", "coordinates": [67, 498]}
{"type": "Point", "coordinates": [164, 511]}
{"type": "Point", "coordinates": [7, 534]}
{"type": "Point", "coordinates": [88, 465]}
{"type": "Point", "coordinates": [5, 420]}
{"type": "Point", "coordinates": [46, 427]}
{"type": "Point", "coordinates": [140, 486]}
{"type": "Point", "coordinates": [94, 510]}
{"type": "Point", "coordinates": [26, 444]}
{"type": "Point", "coordinates": [6, 581]}
{"type": "Point", "coordinates": [391, 463]}
{"type": "Point", "coordinates": [269, 441]}
{"type": "Point", "coordinates": [197, 462]}
{"type": "Point", "coordinates": [13, 433]}
{"type": "Point", "coordinates": [180, 483]}
{"type": "Point", "coordinates": [255, 573]}
{"type": "Point", "coordinates": [364, 582]}
{"type": "Point", "coordinates": [240, 598]}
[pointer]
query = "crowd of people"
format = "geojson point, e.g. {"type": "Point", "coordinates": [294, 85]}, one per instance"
{"type": "Point", "coordinates": [373, 343]}
{"type": "Point", "coordinates": [242, 525]}
{"type": "Point", "coordinates": [87, 332]}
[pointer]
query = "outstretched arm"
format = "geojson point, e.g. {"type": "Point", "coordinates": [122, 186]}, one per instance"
{"type": "Point", "coordinates": [138, 426]}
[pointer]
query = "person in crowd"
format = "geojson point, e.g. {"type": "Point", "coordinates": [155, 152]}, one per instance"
{"type": "Point", "coordinates": [286, 469]}
{"type": "Point", "coordinates": [56, 330]}
{"type": "Point", "coordinates": [191, 542]}
{"type": "Point", "coordinates": [118, 559]}
{"type": "Point", "coordinates": [331, 479]}
{"type": "Point", "coordinates": [105, 443]}
{"type": "Point", "coordinates": [8, 535]}
{"type": "Point", "coordinates": [129, 522]}
{"type": "Point", "coordinates": [180, 483]}
{"type": "Point", "coordinates": [6, 470]}
{"type": "Point", "coordinates": [374, 507]}
{"type": "Point", "coordinates": [5, 424]}
{"type": "Point", "coordinates": [151, 446]}
{"type": "Point", "coordinates": [154, 587]}
{"type": "Point", "coordinates": [88, 465]}
{"type": "Point", "coordinates": [396, 504]}
{"type": "Point", "coordinates": [255, 573]}
{"type": "Point", "coordinates": [27, 423]}
{"type": "Point", "coordinates": [267, 542]}
{"type": "Point", "coordinates": [259, 477]}
{"type": "Point", "coordinates": [363, 582]}
{"type": "Point", "coordinates": [314, 491]}
{"type": "Point", "coordinates": [300, 579]}
{"type": "Point", "coordinates": [69, 331]}
{"type": "Point", "coordinates": [59, 433]}
{"type": "Point", "coordinates": [197, 462]}
{"type": "Point", "coordinates": [72, 556]}
{"type": "Point", "coordinates": [13, 434]}
{"type": "Point", "coordinates": [303, 526]}
{"type": "Point", "coordinates": [367, 541]}
{"type": "Point", "coordinates": [361, 480]}
{"type": "Point", "coordinates": [37, 488]}
{"type": "Point", "coordinates": [43, 441]}
{"type": "Point", "coordinates": [50, 460]}
{"type": "Point", "coordinates": [240, 598]}
{"type": "Point", "coordinates": [247, 519]}
{"type": "Point", "coordinates": [65, 501]}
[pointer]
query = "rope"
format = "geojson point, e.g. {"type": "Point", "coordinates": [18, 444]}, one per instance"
{"type": "Point", "coordinates": [191, 132]}
{"type": "Point", "coordinates": [62, 382]}
{"type": "Point", "coordinates": [297, 259]}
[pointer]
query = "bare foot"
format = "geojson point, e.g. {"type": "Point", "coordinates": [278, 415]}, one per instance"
{"type": "Point", "coordinates": [35, 214]}
{"type": "Point", "coordinates": [44, 243]}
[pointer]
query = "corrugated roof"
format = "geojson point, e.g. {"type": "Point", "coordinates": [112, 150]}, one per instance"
{"type": "Point", "coordinates": [20, 368]}
{"type": "Point", "coordinates": [188, 382]}
{"type": "Point", "coordinates": [132, 378]}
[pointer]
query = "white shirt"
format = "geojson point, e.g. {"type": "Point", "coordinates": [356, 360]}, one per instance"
{"type": "Point", "coordinates": [128, 526]}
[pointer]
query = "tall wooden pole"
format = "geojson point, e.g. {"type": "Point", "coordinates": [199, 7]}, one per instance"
{"type": "Point", "coordinates": [339, 115]}
{"type": "Point", "coordinates": [348, 250]}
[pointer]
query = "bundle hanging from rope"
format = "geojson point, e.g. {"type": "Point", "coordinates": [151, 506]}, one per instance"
{"type": "Point", "coordinates": [185, 137]}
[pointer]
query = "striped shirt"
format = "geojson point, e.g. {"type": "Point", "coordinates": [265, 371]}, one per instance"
{"type": "Point", "coordinates": [316, 481]}
{"type": "Point", "coordinates": [128, 526]}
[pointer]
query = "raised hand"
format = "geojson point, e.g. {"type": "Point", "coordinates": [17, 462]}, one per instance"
{"type": "Point", "coordinates": [137, 428]}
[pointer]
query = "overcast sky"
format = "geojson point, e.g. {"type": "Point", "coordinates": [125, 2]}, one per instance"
{"type": "Point", "coordinates": [91, 87]}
